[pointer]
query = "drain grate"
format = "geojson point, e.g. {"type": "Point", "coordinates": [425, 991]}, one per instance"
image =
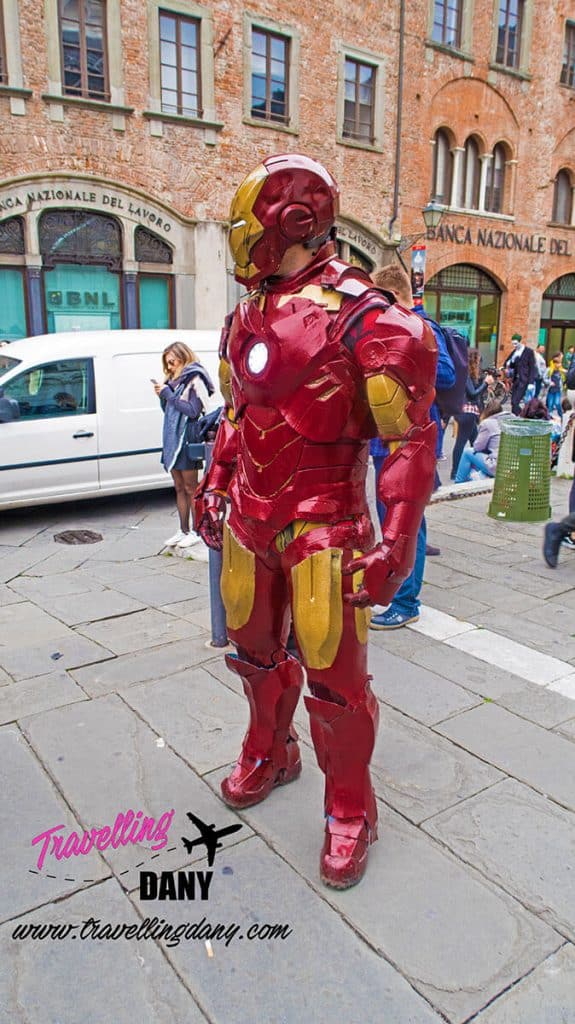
{"type": "Point", "coordinates": [78, 537]}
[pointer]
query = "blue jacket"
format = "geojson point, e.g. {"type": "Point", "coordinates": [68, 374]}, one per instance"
{"type": "Point", "coordinates": [444, 378]}
{"type": "Point", "coordinates": [178, 410]}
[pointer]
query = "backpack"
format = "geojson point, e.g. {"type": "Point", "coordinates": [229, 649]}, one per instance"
{"type": "Point", "coordinates": [451, 400]}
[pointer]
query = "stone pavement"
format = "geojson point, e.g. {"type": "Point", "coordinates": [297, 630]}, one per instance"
{"type": "Point", "coordinates": [111, 699]}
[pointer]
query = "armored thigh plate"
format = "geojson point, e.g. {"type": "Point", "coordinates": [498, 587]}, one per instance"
{"type": "Point", "coordinates": [238, 581]}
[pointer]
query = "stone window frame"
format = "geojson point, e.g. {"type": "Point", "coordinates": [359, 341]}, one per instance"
{"type": "Point", "coordinates": [448, 169]}
{"type": "Point", "coordinates": [463, 51]}
{"type": "Point", "coordinates": [569, 176]}
{"type": "Point", "coordinates": [56, 98]}
{"type": "Point", "coordinates": [379, 62]}
{"type": "Point", "coordinates": [12, 84]}
{"type": "Point", "coordinates": [485, 160]}
{"type": "Point", "coordinates": [155, 114]}
{"type": "Point", "coordinates": [278, 28]}
{"type": "Point", "coordinates": [568, 61]}
{"type": "Point", "coordinates": [522, 70]}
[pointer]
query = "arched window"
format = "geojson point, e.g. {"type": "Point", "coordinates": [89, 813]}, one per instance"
{"type": "Point", "coordinates": [562, 199]}
{"type": "Point", "coordinates": [494, 191]}
{"type": "Point", "coordinates": [442, 169]}
{"type": "Point", "coordinates": [470, 176]}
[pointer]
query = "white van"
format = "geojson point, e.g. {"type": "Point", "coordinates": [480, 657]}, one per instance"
{"type": "Point", "coordinates": [88, 421]}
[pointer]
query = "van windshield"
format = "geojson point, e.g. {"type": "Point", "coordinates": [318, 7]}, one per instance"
{"type": "Point", "coordinates": [7, 363]}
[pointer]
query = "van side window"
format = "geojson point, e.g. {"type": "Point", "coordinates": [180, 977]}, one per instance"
{"type": "Point", "coordinates": [62, 388]}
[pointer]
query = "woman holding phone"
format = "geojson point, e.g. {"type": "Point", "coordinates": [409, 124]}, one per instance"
{"type": "Point", "coordinates": [184, 377]}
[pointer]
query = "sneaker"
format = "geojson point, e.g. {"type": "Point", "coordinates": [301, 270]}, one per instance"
{"type": "Point", "coordinates": [188, 539]}
{"type": "Point", "coordinates": [568, 542]}
{"type": "Point", "coordinates": [431, 551]}
{"type": "Point", "coordinates": [391, 620]}
{"type": "Point", "coordinates": [172, 541]}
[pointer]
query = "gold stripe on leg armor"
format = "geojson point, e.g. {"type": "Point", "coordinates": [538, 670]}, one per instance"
{"type": "Point", "coordinates": [318, 607]}
{"type": "Point", "coordinates": [362, 615]}
{"type": "Point", "coordinates": [388, 401]}
{"type": "Point", "coordinates": [238, 581]}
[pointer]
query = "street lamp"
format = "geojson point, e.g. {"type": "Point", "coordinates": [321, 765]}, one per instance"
{"type": "Point", "coordinates": [432, 214]}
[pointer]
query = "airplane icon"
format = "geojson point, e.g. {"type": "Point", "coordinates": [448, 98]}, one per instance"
{"type": "Point", "coordinates": [209, 837]}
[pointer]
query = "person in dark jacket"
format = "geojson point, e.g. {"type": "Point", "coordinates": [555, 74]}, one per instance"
{"type": "Point", "coordinates": [520, 365]}
{"type": "Point", "coordinates": [468, 419]}
{"type": "Point", "coordinates": [181, 403]}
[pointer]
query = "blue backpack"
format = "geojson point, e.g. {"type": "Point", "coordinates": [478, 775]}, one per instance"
{"type": "Point", "coordinates": [451, 400]}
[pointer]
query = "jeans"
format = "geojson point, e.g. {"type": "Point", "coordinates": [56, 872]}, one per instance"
{"type": "Point", "coordinates": [554, 401]}
{"type": "Point", "coordinates": [471, 460]}
{"type": "Point", "coordinates": [406, 600]}
{"type": "Point", "coordinates": [466, 431]}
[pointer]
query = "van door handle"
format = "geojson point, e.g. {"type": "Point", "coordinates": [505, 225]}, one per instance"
{"type": "Point", "coordinates": [83, 433]}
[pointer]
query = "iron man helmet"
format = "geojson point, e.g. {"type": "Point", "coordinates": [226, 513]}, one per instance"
{"type": "Point", "coordinates": [284, 200]}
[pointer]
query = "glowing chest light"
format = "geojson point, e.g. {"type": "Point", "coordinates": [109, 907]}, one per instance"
{"type": "Point", "coordinates": [257, 358]}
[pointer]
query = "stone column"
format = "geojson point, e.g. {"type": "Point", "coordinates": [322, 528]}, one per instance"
{"type": "Point", "coordinates": [35, 297]}
{"type": "Point", "coordinates": [458, 152]}
{"type": "Point", "coordinates": [129, 282]}
{"type": "Point", "coordinates": [485, 161]}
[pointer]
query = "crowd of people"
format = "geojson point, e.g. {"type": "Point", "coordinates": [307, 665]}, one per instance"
{"type": "Point", "coordinates": [527, 386]}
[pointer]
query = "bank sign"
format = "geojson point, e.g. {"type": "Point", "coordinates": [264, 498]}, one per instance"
{"type": "Point", "coordinates": [83, 195]}
{"type": "Point", "coordinates": [489, 238]}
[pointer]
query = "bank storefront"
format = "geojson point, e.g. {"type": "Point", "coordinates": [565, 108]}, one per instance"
{"type": "Point", "coordinates": [75, 257]}
{"type": "Point", "coordinates": [491, 285]}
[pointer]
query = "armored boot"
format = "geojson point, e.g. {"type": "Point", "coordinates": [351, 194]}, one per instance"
{"type": "Point", "coordinates": [344, 738]}
{"type": "Point", "coordinates": [270, 753]}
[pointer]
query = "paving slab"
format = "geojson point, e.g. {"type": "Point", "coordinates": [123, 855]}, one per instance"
{"type": "Point", "coordinates": [22, 623]}
{"type": "Point", "coordinates": [443, 576]}
{"type": "Point", "coordinates": [287, 980]}
{"type": "Point", "coordinates": [150, 663]}
{"type": "Point", "coordinates": [456, 937]}
{"type": "Point", "coordinates": [468, 671]}
{"type": "Point", "coordinates": [17, 561]}
{"type": "Point", "coordinates": [9, 595]}
{"type": "Point", "coordinates": [202, 721]}
{"type": "Point", "coordinates": [161, 588]}
{"type": "Point", "coordinates": [539, 704]}
{"type": "Point", "coordinates": [497, 595]}
{"type": "Point", "coordinates": [502, 652]}
{"type": "Point", "coordinates": [90, 981]}
{"type": "Point", "coordinates": [110, 572]}
{"type": "Point", "coordinates": [553, 615]}
{"type": "Point", "coordinates": [187, 609]}
{"type": "Point", "coordinates": [67, 651]}
{"type": "Point", "coordinates": [44, 588]}
{"type": "Point", "coordinates": [542, 759]}
{"type": "Point", "coordinates": [567, 729]}
{"type": "Point", "coordinates": [520, 841]}
{"type": "Point", "coordinates": [94, 607]}
{"type": "Point", "coordinates": [416, 691]}
{"type": "Point", "coordinates": [58, 559]}
{"type": "Point", "coordinates": [418, 773]}
{"type": "Point", "coordinates": [405, 643]}
{"type": "Point", "coordinates": [128, 633]}
{"type": "Point", "coordinates": [32, 696]}
{"type": "Point", "coordinates": [5, 678]}
{"type": "Point", "coordinates": [29, 805]}
{"type": "Point", "coordinates": [556, 642]}
{"type": "Point", "coordinates": [546, 996]}
{"type": "Point", "coordinates": [454, 602]}
{"type": "Point", "coordinates": [106, 761]}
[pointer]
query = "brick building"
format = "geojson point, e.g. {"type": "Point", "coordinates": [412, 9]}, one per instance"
{"type": "Point", "coordinates": [127, 125]}
{"type": "Point", "coordinates": [489, 132]}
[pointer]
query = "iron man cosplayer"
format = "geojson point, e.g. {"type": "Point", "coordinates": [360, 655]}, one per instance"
{"type": "Point", "coordinates": [314, 362]}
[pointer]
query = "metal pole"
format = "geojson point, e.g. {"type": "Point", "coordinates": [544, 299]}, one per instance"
{"type": "Point", "coordinates": [217, 610]}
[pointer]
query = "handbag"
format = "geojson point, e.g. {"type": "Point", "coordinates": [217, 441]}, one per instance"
{"type": "Point", "coordinates": [197, 430]}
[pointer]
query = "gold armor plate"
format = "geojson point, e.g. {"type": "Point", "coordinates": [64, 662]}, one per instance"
{"type": "Point", "coordinates": [388, 401]}
{"type": "Point", "coordinates": [238, 581]}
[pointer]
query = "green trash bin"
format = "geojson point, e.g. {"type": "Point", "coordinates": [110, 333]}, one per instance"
{"type": "Point", "coordinates": [522, 478]}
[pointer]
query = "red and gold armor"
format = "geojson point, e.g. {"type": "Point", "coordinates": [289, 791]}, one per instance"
{"type": "Point", "coordinates": [313, 365]}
